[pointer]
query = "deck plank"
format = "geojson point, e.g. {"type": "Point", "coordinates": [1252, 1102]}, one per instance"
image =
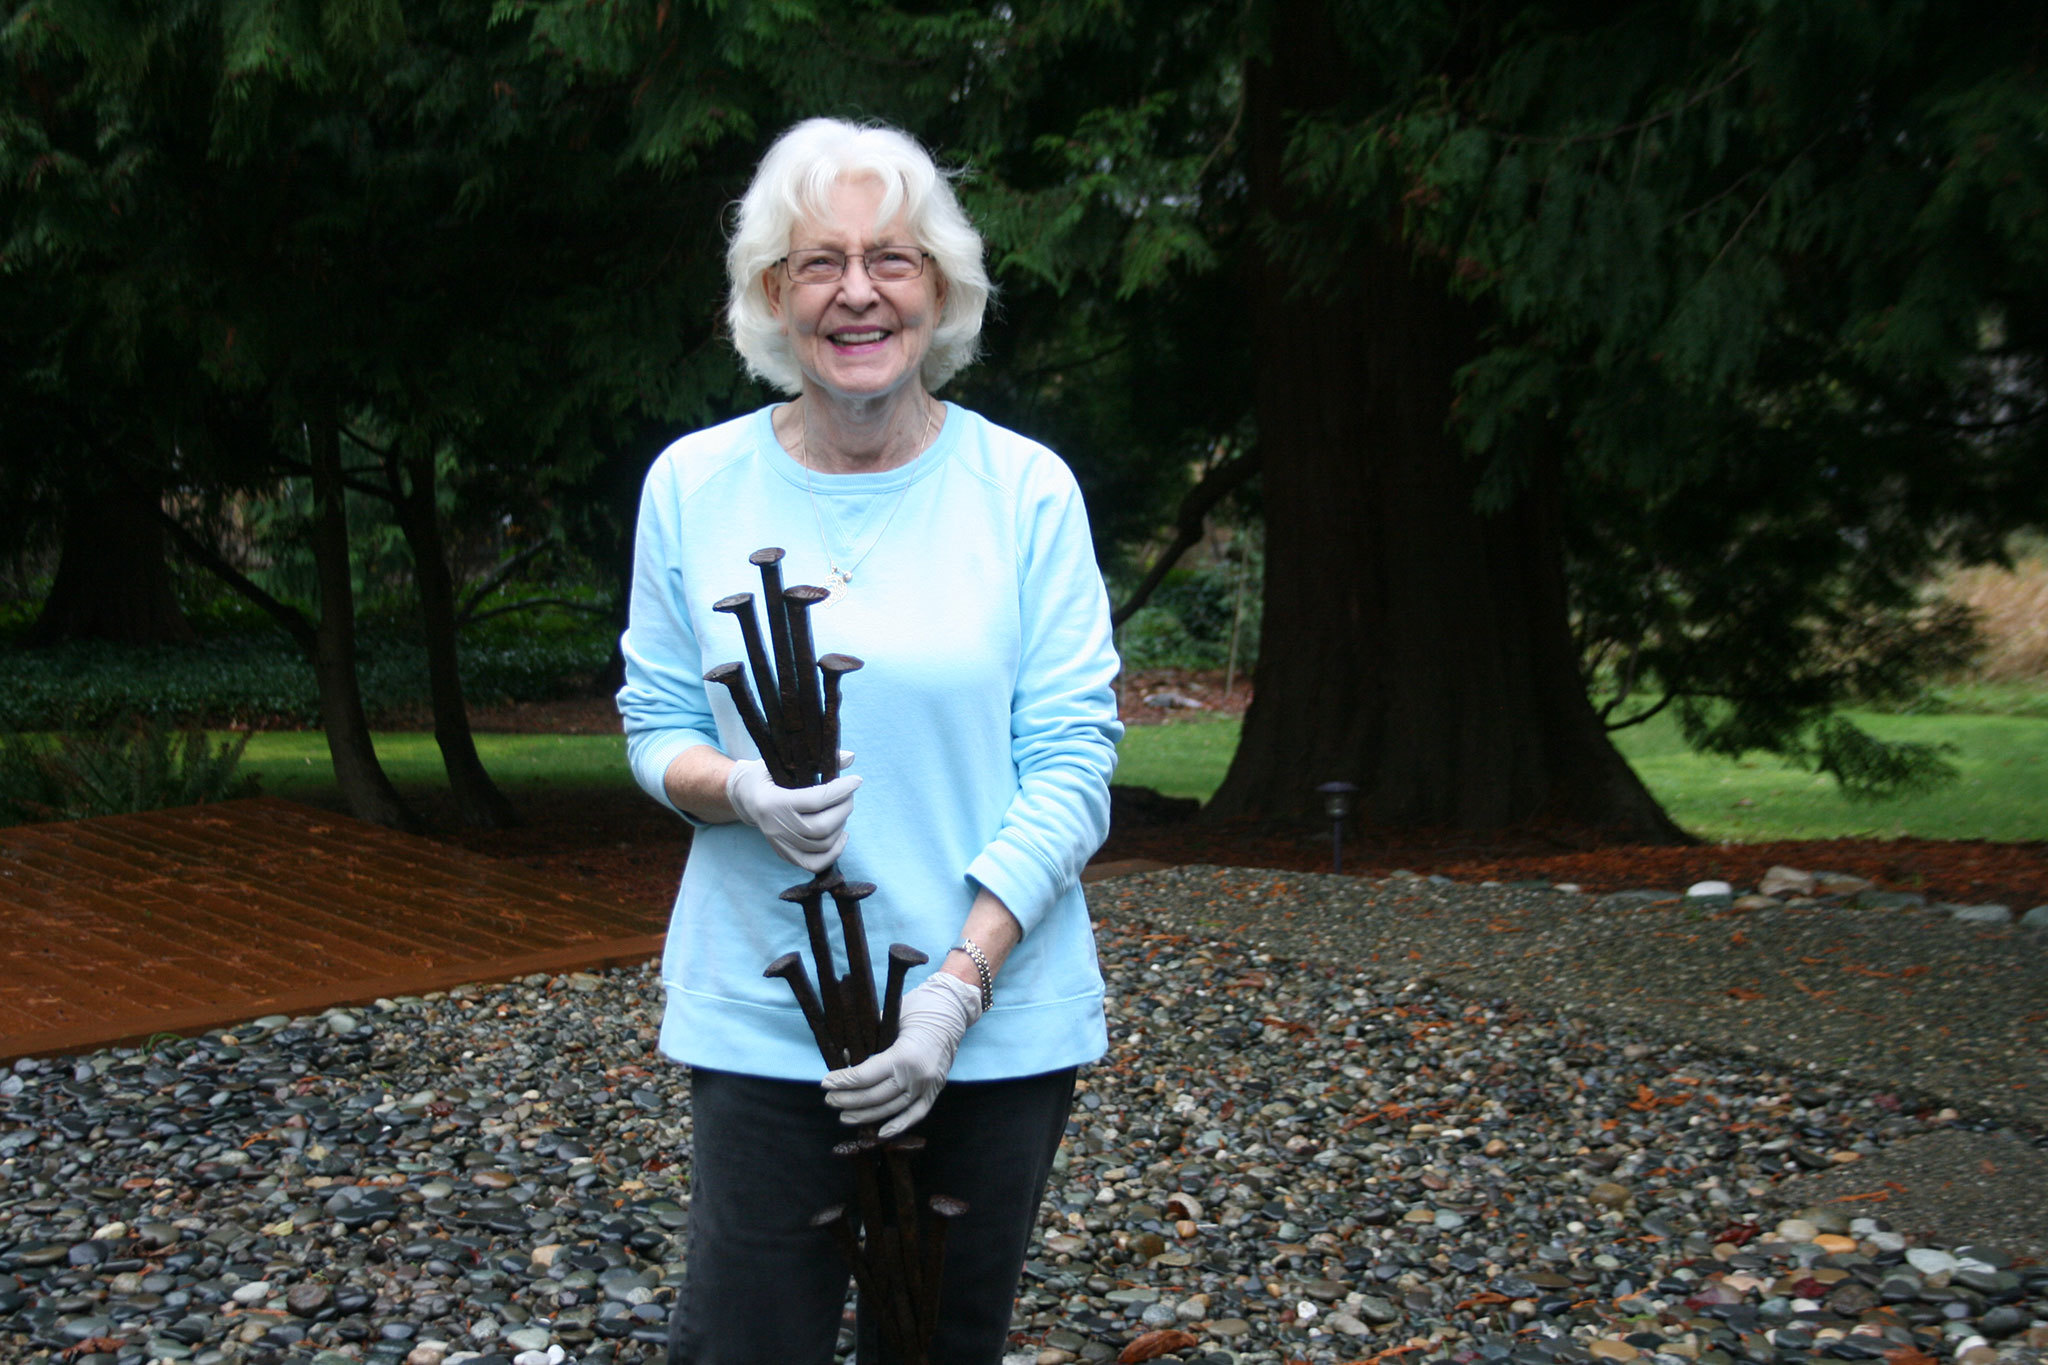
{"type": "Point", "coordinates": [116, 929]}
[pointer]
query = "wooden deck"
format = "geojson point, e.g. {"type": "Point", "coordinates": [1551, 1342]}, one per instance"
{"type": "Point", "coordinates": [117, 929]}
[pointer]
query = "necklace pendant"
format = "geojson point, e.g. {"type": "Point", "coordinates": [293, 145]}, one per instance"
{"type": "Point", "coordinates": [837, 585]}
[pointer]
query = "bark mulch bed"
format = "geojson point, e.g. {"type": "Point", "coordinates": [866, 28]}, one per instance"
{"type": "Point", "coordinates": [620, 843]}
{"type": "Point", "coordinates": [625, 843]}
{"type": "Point", "coordinates": [1968, 872]}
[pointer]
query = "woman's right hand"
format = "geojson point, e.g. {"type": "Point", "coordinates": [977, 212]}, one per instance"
{"type": "Point", "coordinates": [805, 825]}
{"type": "Point", "coordinates": [900, 1083]}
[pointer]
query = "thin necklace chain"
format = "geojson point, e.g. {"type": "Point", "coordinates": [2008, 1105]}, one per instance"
{"type": "Point", "coordinates": [839, 581]}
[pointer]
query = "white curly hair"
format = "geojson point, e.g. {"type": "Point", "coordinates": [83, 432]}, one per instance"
{"type": "Point", "coordinates": [794, 182]}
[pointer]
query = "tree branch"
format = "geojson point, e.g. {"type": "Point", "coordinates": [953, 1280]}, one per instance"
{"type": "Point", "coordinates": [1218, 484]}
{"type": "Point", "coordinates": [1990, 424]}
{"type": "Point", "coordinates": [1639, 717]}
{"type": "Point", "coordinates": [530, 602]}
{"type": "Point", "coordinates": [349, 477]}
{"type": "Point", "coordinates": [206, 557]}
{"type": "Point", "coordinates": [380, 452]}
{"type": "Point", "coordinates": [1647, 121]}
{"type": "Point", "coordinates": [1061, 366]}
{"type": "Point", "coordinates": [1761, 200]}
{"type": "Point", "coordinates": [497, 578]}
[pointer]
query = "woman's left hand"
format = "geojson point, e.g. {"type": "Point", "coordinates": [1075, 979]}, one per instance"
{"type": "Point", "coordinates": [900, 1082]}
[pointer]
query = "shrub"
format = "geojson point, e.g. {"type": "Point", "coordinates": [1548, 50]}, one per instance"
{"type": "Point", "coordinates": [1187, 622]}
{"type": "Point", "coordinates": [2011, 606]}
{"type": "Point", "coordinates": [134, 766]}
{"type": "Point", "coordinates": [1155, 637]}
{"type": "Point", "coordinates": [260, 678]}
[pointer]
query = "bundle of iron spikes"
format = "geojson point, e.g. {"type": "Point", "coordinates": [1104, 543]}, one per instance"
{"type": "Point", "coordinates": [899, 1249]}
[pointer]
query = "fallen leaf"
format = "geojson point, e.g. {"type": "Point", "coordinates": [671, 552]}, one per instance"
{"type": "Point", "coordinates": [1155, 1344]}
{"type": "Point", "coordinates": [1910, 1355]}
{"type": "Point", "coordinates": [1393, 1351]}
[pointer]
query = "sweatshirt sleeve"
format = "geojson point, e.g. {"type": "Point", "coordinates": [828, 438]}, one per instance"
{"type": "Point", "coordinates": [663, 703]}
{"type": "Point", "coordinates": [1063, 722]}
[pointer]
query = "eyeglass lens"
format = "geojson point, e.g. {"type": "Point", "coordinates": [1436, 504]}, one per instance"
{"type": "Point", "coordinates": [823, 265]}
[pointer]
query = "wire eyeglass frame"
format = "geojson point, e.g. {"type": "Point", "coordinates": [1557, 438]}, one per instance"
{"type": "Point", "coordinates": [828, 259]}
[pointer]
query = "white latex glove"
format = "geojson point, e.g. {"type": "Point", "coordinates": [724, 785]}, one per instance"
{"type": "Point", "coordinates": [904, 1079]}
{"type": "Point", "coordinates": [805, 825]}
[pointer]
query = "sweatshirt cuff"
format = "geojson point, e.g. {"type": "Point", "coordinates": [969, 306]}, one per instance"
{"type": "Point", "coordinates": [650, 759]}
{"type": "Point", "coordinates": [1025, 885]}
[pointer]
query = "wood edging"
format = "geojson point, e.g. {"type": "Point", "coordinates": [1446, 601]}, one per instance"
{"type": "Point", "coordinates": [1120, 867]}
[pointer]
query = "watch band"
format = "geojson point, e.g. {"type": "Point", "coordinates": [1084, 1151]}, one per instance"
{"type": "Point", "coordinates": [980, 961]}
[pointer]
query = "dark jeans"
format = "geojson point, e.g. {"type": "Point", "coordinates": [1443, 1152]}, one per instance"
{"type": "Point", "coordinates": [766, 1288]}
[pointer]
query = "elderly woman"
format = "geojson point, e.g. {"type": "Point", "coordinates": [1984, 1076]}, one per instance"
{"type": "Point", "coordinates": [961, 571]}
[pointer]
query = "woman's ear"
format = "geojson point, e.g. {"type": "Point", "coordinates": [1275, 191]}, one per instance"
{"type": "Point", "coordinates": [771, 286]}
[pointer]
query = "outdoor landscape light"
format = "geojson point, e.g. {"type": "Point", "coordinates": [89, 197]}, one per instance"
{"type": "Point", "coordinates": [1337, 805]}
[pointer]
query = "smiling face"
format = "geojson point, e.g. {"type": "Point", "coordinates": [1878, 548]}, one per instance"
{"type": "Point", "coordinates": [855, 338]}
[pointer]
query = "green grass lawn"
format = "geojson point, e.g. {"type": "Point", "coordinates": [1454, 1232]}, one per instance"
{"type": "Point", "coordinates": [2002, 795]}
{"type": "Point", "coordinates": [1180, 758]}
{"type": "Point", "coordinates": [294, 763]}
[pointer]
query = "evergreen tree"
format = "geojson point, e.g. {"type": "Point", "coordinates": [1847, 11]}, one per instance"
{"type": "Point", "coordinates": [1695, 330]}
{"type": "Point", "coordinates": [1757, 294]}
{"type": "Point", "coordinates": [406, 233]}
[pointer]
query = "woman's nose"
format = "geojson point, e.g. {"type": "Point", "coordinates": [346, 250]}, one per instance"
{"type": "Point", "coordinates": [854, 283]}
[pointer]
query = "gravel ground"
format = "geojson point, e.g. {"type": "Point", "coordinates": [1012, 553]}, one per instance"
{"type": "Point", "coordinates": [1341, 1120]}
{"type": "Point", "coordinates": [1901, 999]}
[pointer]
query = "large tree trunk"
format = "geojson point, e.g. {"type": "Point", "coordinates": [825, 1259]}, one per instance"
{"type": "Point", "coordinates": [113, 580]}
{"type": "Point", "coordinates": [619, 482]}
{"type": "Point", "coordinates": [1410, 644]}
{"type": "Point", "coordinates": [478, 802]}
{"type": "Point", "coordinates": [361, 777]}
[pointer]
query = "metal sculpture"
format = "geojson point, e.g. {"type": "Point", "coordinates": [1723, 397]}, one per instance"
{"type": "Point", "coordinates": [897, 1251]}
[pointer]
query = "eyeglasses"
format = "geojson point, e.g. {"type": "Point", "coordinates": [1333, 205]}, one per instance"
{"type": "Point", "coordinates": [885, 264]}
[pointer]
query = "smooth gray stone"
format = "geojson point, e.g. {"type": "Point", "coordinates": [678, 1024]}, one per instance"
{"type": "Point", "coordinates": [1376, 1310]}
{"type": "Point", "coordinates": [307, 1299]}
{"type": "Point", "coordinates": [1987, 1281]}
{"type": "Point", "coordinates": [82, 1329]}
{"type": "Point", "coordinates": [1983, 914]}
{"type": "Point", "coordinates": [2003, 1321]}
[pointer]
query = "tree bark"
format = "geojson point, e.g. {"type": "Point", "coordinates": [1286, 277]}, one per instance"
{"type": "Point", "coordinates": [478, 802]}
{"type": "Point", "coordinates": [1410, 644]}
{"type": "Point", "coordinates": [113, 578]}
{"type": "Point", "coordinates": [361, 777]}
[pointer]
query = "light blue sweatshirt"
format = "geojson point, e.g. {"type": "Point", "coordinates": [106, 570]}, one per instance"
{"type": "Point", "coordinates": [984, 723]}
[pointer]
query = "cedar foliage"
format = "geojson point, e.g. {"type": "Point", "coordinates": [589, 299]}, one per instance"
{"type": "Point", "coordinates": [1774, 274]}
{"type": "Point", "coordinates": [1756, 288]}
